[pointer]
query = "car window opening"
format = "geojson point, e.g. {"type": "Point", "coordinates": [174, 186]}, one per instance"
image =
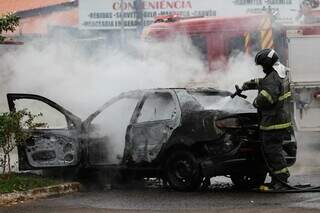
{"type": "Point", "coordinates": [158, 106]}
{"type": "Point", "coordinates": [49, 115]}
{"type": "Point", "coordinates": [108, 132]}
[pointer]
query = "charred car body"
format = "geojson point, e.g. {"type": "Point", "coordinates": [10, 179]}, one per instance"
{"type": "Point", "coordinates": [181, 135]}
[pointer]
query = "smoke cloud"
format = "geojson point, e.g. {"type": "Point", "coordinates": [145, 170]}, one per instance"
{"type": "Point", "coordinates": [65, 72]}
{"type": "Point", "coordinates": [81, 79]}
{"type": "Point", "coordinates": [81, 76]}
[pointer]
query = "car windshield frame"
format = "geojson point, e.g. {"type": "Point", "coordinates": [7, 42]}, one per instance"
{"type": "Point", "coordinates": [245, 105]}
{"type": "Point", "coordinates": [135, 94]}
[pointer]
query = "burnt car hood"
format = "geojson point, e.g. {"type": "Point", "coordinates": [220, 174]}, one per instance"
{"type": "Point", "coordinates": [234, 106]}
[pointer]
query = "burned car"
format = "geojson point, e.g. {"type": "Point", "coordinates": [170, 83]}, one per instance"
{"type": "Point", "coordinates": [184, 136]}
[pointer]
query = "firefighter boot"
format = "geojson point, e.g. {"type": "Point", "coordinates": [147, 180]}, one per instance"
{"type": "Point", "coordinates": [279, 182]}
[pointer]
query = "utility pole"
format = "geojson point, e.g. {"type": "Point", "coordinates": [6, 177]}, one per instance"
{"type": "Point", "coordinates": [138, 5]}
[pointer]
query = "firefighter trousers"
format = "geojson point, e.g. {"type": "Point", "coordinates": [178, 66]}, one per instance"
{"type": "Point", "coordinates": [273, 152]}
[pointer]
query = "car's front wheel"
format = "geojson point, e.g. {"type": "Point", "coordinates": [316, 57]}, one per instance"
{"type": "Point", "coordinates": [183, 171]}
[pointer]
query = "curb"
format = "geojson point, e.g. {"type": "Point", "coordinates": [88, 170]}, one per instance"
{"type": "Point", "coordinates": [16, 197]}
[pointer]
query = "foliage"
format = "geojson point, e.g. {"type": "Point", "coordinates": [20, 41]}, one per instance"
{"type": "Point", "coordinates": [8, 22]}
{"type": "Point", "coordinates": [14, 128]}
{"type": "Point", "coordinates": [23, 182]}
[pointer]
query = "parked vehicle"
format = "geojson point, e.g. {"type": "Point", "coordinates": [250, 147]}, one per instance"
{"type": "Point", "coordinates": [305, 88]}
{"type": "Point", "coordinates": [219, 38]}
{"type": "Point", "coordinates": [181, 135]}
{"type": "Point", "coordinates": [305, 81]}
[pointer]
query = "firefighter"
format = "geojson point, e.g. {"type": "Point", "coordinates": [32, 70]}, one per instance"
{"type": "Point", "coordinates": [271, 102]}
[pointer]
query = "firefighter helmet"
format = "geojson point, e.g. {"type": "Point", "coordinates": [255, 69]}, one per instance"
{"type": "Point", "coordinates": [266, 57]}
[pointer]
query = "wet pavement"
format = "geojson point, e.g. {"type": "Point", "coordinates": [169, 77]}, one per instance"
{"type": "Point", "coordinates": [221, 197]}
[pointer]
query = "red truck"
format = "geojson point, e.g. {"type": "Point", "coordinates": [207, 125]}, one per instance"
{"type": "Point", "coordinates": [218, 38]}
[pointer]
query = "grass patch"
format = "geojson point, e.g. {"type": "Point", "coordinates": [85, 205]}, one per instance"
{"type": "Point", "coordinates": [23, 182]}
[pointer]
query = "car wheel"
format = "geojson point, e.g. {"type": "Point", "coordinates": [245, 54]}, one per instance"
{"type": "Point", "coordinates": [248, 181]}
{"type": "Point", "coordinates": [183, 172]}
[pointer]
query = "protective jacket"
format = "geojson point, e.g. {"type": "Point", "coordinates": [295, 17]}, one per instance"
{"type": "Point", "coordinates": [272, 101]}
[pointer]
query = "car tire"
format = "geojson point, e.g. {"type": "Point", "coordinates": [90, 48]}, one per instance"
{"type": "Point", "coordinates": [183, 171]}
{"type": "Point", "coordinates": [248, 181]}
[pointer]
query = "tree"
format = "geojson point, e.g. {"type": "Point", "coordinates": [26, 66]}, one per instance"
{"type": "Point", "coordinates": [8, 22]}
{"type": "Point", "coordinates": [14, 128]}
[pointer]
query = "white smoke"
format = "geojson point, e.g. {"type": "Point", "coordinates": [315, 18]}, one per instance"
{"type": "Point", "coordinates": [240, 68]}
{"type": "Point", "coordinates": [81, 82]}
{"type": "Point", "coordinates": [65, 72]}
{"type": "Point", "coordinates": [81, 79]}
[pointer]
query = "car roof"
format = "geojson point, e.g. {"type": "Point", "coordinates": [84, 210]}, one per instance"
{"type": "Point", "coordinates": [189, 89]}
{"type": "Point", "coordinates": [140, 92]}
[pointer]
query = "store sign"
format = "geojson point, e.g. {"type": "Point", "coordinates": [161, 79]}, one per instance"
{"type": "Point", "coordinates": [106, 14]}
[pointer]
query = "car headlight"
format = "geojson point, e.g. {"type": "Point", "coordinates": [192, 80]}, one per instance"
{"type": "Point", "coordinates": [228, 123]}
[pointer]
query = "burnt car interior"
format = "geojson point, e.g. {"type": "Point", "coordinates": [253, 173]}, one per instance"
{"type": "Point", "coordinates": [107, 132]}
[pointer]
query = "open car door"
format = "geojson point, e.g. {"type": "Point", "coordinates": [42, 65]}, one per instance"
{"type": "Point", "coordinates": [57, 145]}
{"type": "Point", "coordinates": [155, 119]}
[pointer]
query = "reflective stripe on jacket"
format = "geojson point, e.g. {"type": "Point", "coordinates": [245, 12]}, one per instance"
{"type": "Point", "coordinates": [272, 102]}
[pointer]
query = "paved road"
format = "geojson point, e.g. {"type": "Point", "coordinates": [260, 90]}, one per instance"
{"type": "Point", "coordinates": [220, 198]}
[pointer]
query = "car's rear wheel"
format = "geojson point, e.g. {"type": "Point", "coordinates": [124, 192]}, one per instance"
{"type": "Point", "coordinates": [248, 181]}
{"type": "Point", "coordinates": [183, 171]}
